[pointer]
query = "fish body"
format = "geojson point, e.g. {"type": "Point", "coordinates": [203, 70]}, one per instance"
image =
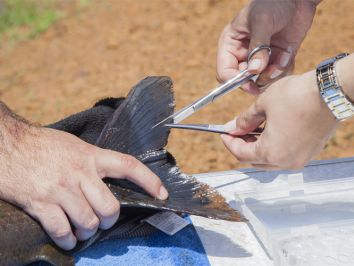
{"type": "Point", "coordinates": [125, 126]}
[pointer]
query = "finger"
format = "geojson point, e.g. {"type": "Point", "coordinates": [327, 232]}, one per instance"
{"type": "Point", "coordinates": [243, 151]}
{"type": "Point", "coordinates": [231, 51]}
{"type": "Point", "coordinates": [271, 74]}
{"type": "Point", "coordinates": [231, 125]}
{"type": "Point", "coordinates": [231, 58]}
{"type": "Point", "coordinates": [80, 213]}
{"type": "Point", "coordinates": [281, 63]}
{"type": "Point", "coordinates": [246, 122]}
{"type": "Point", "coordinates": [259, 36]}
{"type": "Point", "coordinates": [118, 165]}
{"type": "Point", "coordinates": [227, 66]}
{"type": "Point", "coordinates": [249, 138]}
{"type": "Point", "coordinates": [101, 199]}
{"type": "Point", "coordinates": [55, 223]}
{"type": "Point", "coordinates": [249, 86]}
{"type": "Point", "coordinates": [291, 68]}
{"type": "Point", "coordinates": [249, 120]}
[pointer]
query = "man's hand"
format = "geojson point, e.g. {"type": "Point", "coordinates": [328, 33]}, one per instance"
{"type": "Point", "coordinates": [57, 179]}
{"type": "Point", "coordinates": [280, 24]}
{"type": "Point", "coordinates": [298, 124]}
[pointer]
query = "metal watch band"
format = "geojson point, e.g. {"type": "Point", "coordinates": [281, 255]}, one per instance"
{"type": "Point", "coordinates": [331, 92]}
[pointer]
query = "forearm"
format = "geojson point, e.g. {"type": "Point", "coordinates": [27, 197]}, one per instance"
{"type": "Point", "coordinates": [345, 75]}
{"type": "Point", "coordinates": [7, 116]}
{"type": "Point", "coordinates": [13, 131]}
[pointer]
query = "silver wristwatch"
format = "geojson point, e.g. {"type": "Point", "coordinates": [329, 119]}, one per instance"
{"type": "Point", "coordinates": [331, 92]}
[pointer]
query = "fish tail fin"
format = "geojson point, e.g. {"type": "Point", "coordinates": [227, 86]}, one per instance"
{"type": "Point", "coordinates": [132, 130]}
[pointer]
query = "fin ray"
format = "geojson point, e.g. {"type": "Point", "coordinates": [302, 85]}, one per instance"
{"type": "Point", "coordinates": [131, 130]}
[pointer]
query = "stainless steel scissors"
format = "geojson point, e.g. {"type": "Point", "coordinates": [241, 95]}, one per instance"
{"type": "Point", "coordinates": [223, 89]}
{"type": "Point", "coordinates": [209, 128]}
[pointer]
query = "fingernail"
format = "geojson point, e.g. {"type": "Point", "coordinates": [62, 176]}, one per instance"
{"type": "Point", "coordinates": [255, 64]}
{"type": "Point", "coordinates": [163, 193]}
{"type": "Point", "coordinates": [285, 59]}
{"type": "Point", "coordinates": [68, 244]}
{"type": "Point", "coordinates": [276, 73]}
{"type": "Point", "coordinates": [230, 126]}
{"type": "Point", "coordinates": [108, 222]}
{"type": "Point", "coordinates": [242, 66]}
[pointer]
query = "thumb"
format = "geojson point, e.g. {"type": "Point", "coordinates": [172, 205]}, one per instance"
{"type": "Point", "coordinates": [247, 121]}
{"type": "Point", "coordinates": [261, 34]}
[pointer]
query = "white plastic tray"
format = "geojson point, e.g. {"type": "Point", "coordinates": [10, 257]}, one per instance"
{"type": "Point", "coordinates": [305, 217]}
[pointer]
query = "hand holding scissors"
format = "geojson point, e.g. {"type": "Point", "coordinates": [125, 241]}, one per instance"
{"type": "Point", "coordinates": [223, 89]}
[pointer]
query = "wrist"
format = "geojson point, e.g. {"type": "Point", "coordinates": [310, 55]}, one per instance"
{"type": "Point", "coordinates": [345, 76]}
{"type": "Point", "coordinates": [13, 128]}
{"type": "Point", "coordinates": [330, 88]}
{"type": "Point", "coordinates": [316, 101]}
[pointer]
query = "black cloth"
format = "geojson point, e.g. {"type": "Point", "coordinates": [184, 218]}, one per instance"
{"type": "Point", "coordinates": [88, 124]}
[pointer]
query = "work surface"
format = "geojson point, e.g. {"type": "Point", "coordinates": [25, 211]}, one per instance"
{"type": "Point", "coordinates": [208, 241]}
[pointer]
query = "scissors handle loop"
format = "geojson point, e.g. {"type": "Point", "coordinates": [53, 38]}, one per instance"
{"type": "Point", "coordinates": [257, 49]}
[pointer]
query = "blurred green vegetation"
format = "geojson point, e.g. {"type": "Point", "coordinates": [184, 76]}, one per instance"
{"type": "Point", "coordinates": [26, 18]}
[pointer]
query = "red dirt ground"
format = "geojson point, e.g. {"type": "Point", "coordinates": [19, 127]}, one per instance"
{"type": "Point", "coordinates": [104, 49]}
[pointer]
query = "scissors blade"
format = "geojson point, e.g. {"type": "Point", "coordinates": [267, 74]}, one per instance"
{"type": "Point", "coordinates": [230, 85]}
{"type": "Point", "coordinates": [179, 115]}
{"type": "Point", "coordinates": [200, 127]}
{"type": "Point", "coordinates": [220, 129]}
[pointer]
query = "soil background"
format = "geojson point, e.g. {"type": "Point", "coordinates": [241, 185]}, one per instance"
{"type": "Point", "coordinates": [108, 46]}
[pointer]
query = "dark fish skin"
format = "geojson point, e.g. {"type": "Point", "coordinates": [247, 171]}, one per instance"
{"type": "Point", "coordinates": [128, 129]}
{"type": "Point", "coordinates": [23, 240]}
